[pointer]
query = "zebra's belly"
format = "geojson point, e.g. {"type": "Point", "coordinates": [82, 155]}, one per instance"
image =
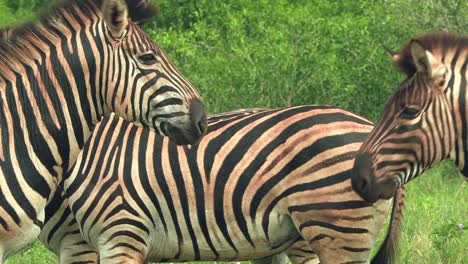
{"type": "Point", "coordinates": [195, 244]}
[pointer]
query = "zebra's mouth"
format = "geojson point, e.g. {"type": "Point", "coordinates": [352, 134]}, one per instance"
{"type": "Point", "coordinates": [183, 128]}
{"type": "Point", "coordinates": [183, 136]}
{"type": "Point", "coordinates": [388, 186]}
{"type": "Point", "coordinates": [370, 186]}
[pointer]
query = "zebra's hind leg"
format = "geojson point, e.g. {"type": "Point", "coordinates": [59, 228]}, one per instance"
{"type": "Point", "coordinates": [336, 241]}
{"type": "Point", "coordinates": [334, 247]}
{"type": "Point", "coordinates": [344, 236]}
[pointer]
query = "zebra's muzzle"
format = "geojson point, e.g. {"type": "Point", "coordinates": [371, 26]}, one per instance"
{"type": "Point", "coordinates": [366, 184]}
{"type": "Point", "coordinates": [192, 133]}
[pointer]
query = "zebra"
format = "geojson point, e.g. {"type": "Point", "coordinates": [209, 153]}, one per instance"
{"type": "Point", "coordinates": [58, 77]}
{"type": "Point", "coordinates": [423, 123]}
{"type": "Point", "coordinates": [253, 186]}
{"type": "Point", "coordinates": [62, 236]}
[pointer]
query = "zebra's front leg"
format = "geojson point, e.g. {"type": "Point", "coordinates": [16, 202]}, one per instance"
{"type": "Point", "coordinates": [22, 229]}
{"type": "Point", "coordinates": [122, 243]}
{"type": "Point", "coordinates": [122, 249]}
{"type": "Point", "coordinates": [61, 234]}
{"type": "Point", "coordinates": [16, 237]}
{"type": "Point", "coordinates": [76, 250]}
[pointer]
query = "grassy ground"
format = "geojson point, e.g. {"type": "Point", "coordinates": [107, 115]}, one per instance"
{"type": "Point", "coordinates": [436, 218]}
{"type": "Point", "coordinates": [437, 207]}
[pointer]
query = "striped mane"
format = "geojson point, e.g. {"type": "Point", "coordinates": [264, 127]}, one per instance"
{"type": "Point", "coordinates": [55, 23]}
{"type": "Point", "coordinates": [434, 42]}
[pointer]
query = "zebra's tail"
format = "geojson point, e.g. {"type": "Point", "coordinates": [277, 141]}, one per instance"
{"type": "Point", "coordinates": [388, 251]}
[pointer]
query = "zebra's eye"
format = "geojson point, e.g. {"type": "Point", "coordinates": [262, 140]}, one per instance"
{"type": "Point", "coordinates": [442, 82]}
{"type": "Point", "coordinates": [148, 59]}
{"type": "Point", "coordinates": [409, 112]}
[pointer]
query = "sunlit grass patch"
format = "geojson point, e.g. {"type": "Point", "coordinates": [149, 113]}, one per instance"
{"type": "Point", "coordinates": [36, 254]}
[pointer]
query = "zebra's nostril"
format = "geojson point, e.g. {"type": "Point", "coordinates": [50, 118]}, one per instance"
{"type": "Point", "coordinates": [202, 125]}
{"type": "Point", "coordinates": [363, 185]}
{"type": "Point", "coordinates": [362, 179]}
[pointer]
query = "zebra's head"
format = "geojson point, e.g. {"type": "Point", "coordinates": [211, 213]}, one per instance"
{"type": "Point", "coordinates": [142, 84]}
{"type": "Point", "coordinates": [415, 130]}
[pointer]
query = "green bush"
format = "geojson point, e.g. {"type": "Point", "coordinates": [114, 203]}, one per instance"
{"type": "Point", "coordinates": [279, 53]}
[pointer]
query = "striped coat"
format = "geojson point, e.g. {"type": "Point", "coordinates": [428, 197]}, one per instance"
{"type": "Point", "coordinates": [254, 185]}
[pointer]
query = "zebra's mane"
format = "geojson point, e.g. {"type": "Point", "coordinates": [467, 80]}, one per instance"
{"type": "Point", "coordinates": [55, 20]}
{"type": "Point", "coordinates": [434, 42]}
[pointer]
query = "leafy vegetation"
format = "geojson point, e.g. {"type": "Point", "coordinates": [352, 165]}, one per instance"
{"type": "Point", "coordinates": [277, 53]}
{"type": "Point", "coordinates": [274, 53]}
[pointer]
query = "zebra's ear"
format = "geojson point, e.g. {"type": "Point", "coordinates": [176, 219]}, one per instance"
{"type": "Point", "coordinates": [394, 56]}
{"type": "Point", "coordinates": [425, 62]}
{"type": "Point", "coordinates": [115, 13]}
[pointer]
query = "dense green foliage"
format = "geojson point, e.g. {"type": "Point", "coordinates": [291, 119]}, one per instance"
{"type": "Point", "coordinates": [274, 53]}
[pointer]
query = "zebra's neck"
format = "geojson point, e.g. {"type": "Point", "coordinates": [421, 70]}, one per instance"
{"type": "Point", "coordinates": [49, 78]}
{"type": "Point", "coordinates": [457, 96]}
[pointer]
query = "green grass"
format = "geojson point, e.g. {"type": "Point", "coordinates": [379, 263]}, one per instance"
{"type": "Point", "coordinates": [437, 203]}
{"type": "Point", "coordinates": [36, 254]}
